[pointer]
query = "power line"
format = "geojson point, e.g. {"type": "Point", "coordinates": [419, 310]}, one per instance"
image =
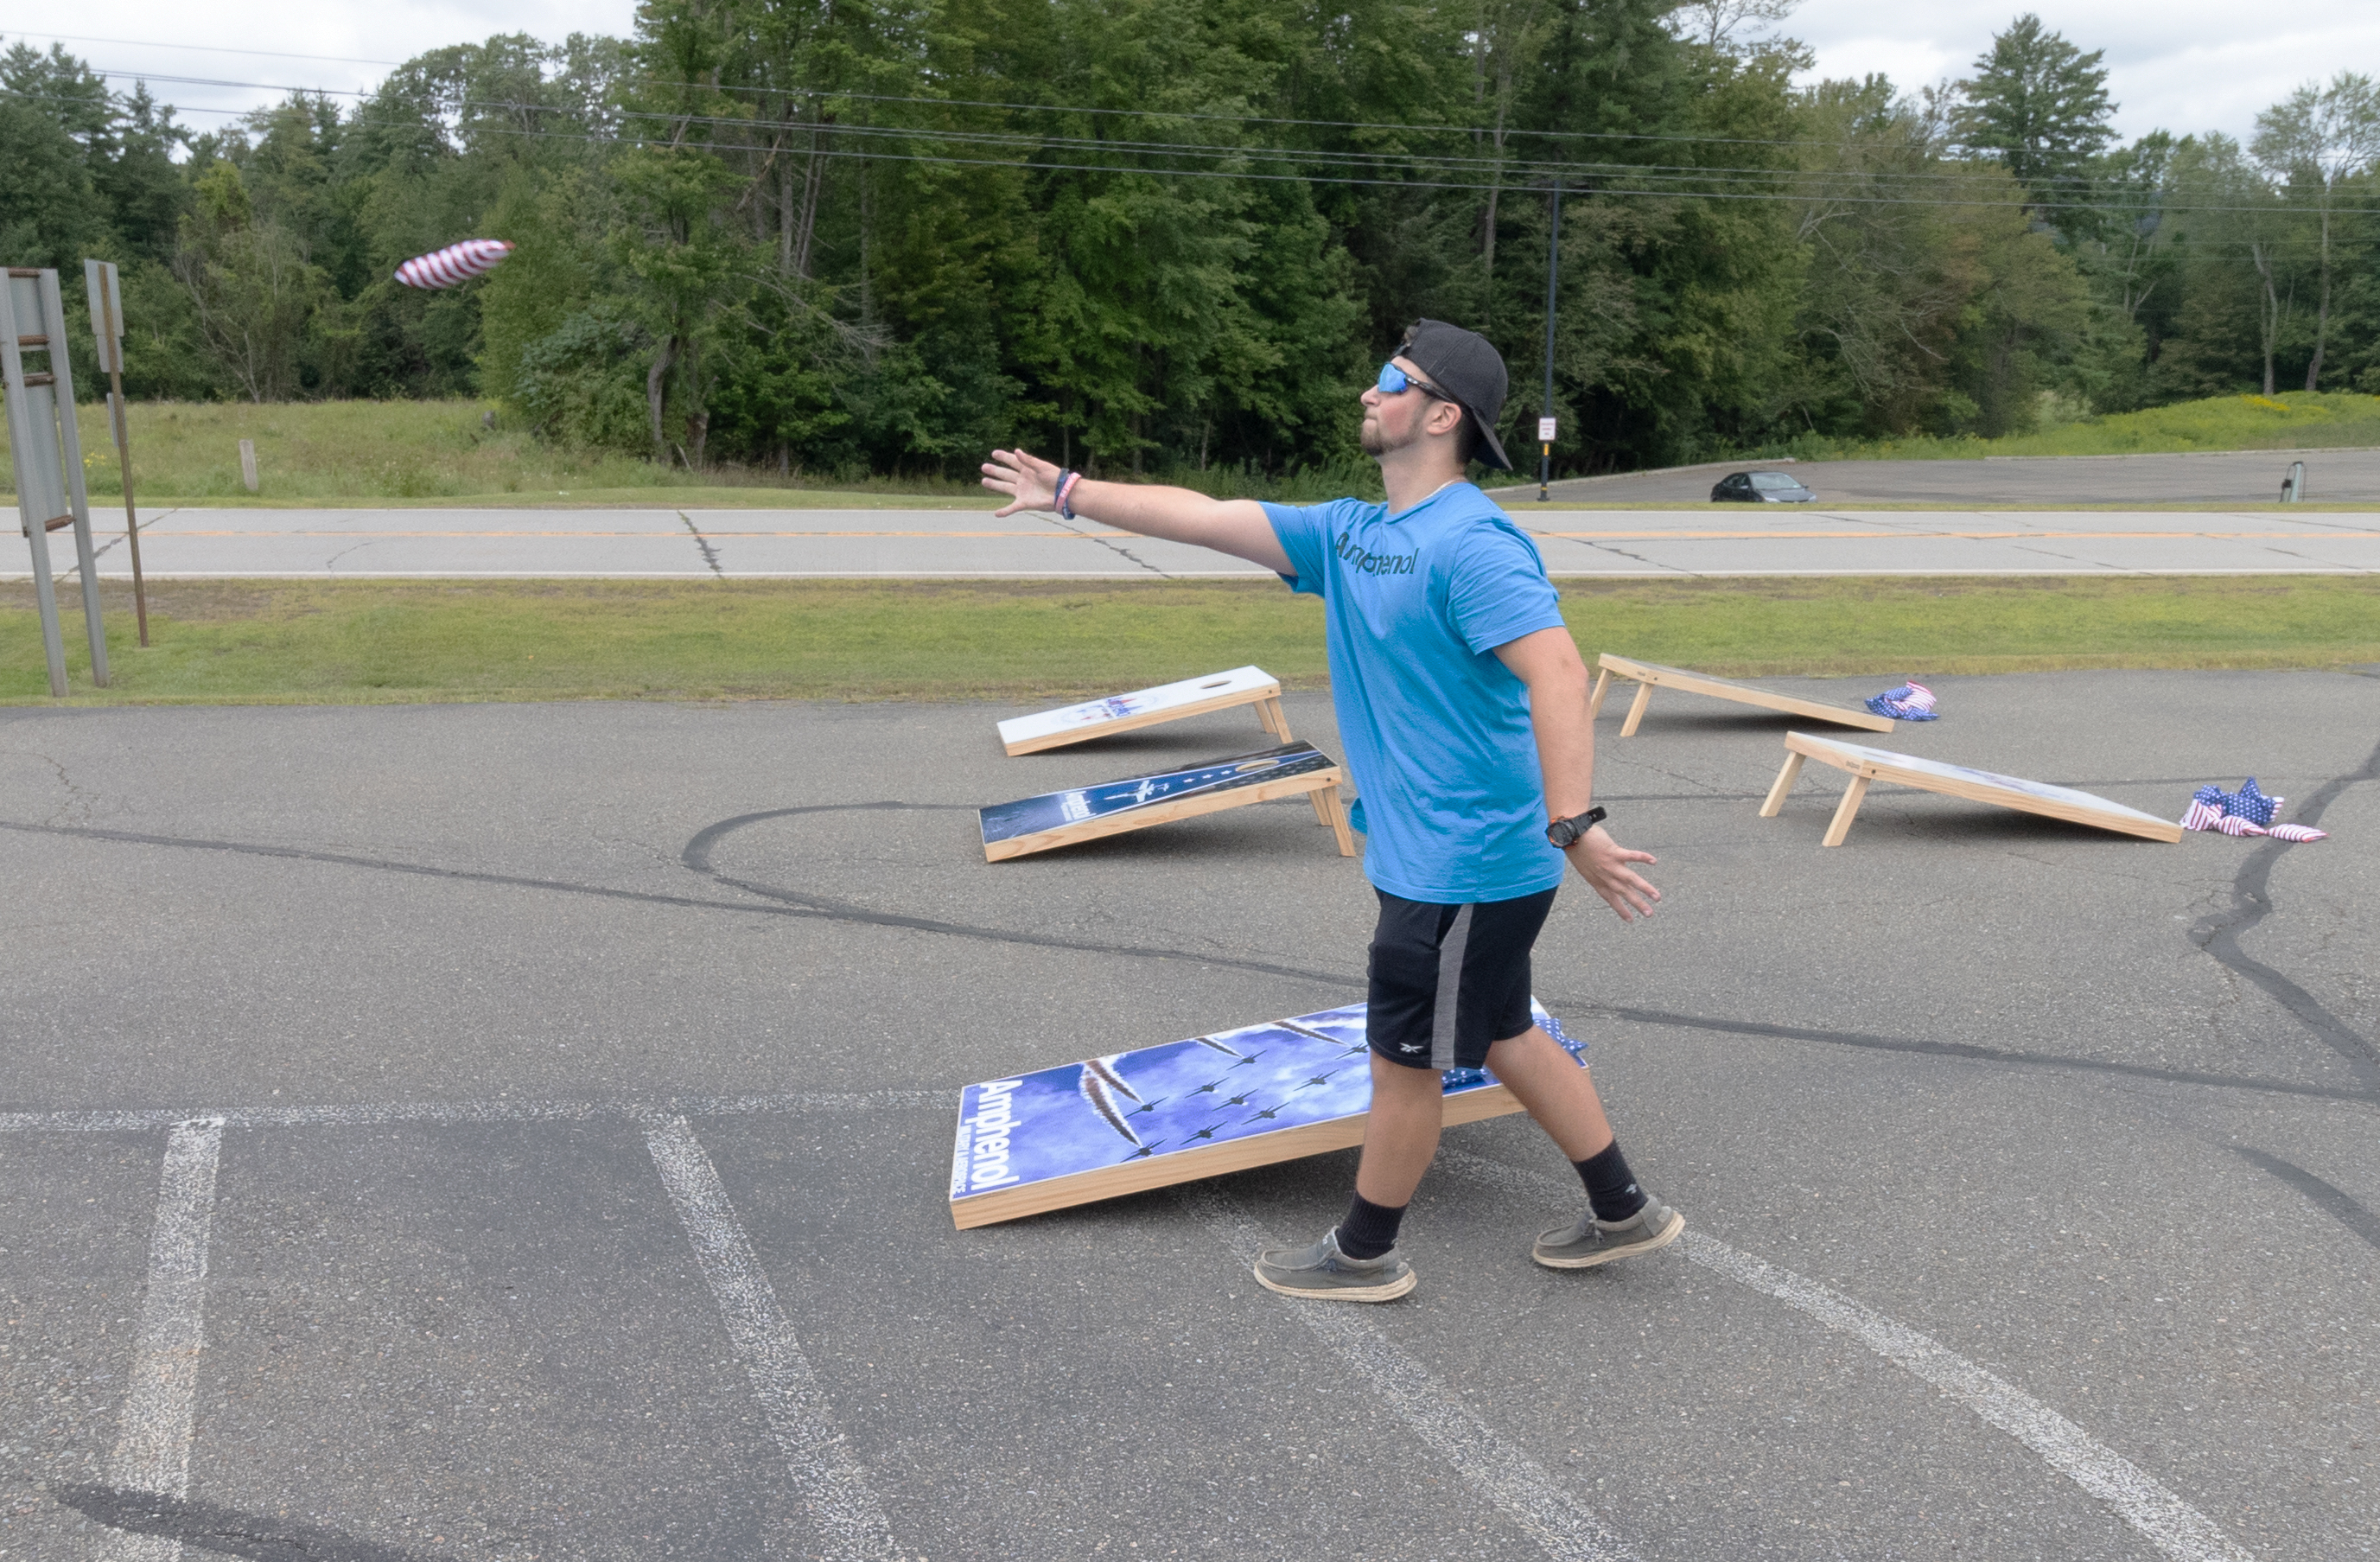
{"type": "Point", "coordinates": [1474, 131]}
{"type": "Point", "coordinates": [1030, 164]}
{"type": "Point", "coordinates": [205, 48]}
{"type": "Point", "coordinates": [1521, 170]}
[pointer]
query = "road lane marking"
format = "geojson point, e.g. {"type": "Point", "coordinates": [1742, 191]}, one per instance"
{"type": "Point", "coordinates": [834, 1488]}
{"type": "Point", "coordinates": [1544, 1507]}
{"type": "Point", "coordinates": [2162, 1519]}
{"type": "Point", "coordinates": [153, 1452]}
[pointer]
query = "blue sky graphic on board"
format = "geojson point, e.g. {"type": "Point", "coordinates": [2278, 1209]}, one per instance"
{"type": "Point", "coordinates": [1027, 816]}
{"type": "Point", "coordinates": [1161, 1099]}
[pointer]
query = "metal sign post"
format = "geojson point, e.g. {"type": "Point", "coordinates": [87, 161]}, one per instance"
{"type": "Point", "coordinates": [107, 327]}
{"type": "Point", "coordinates": [48, 455]}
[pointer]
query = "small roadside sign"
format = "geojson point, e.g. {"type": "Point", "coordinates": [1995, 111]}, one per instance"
{"type": "Point", "coordinates": [1545, 431]}
{"type": "Point", "coordinates": [106, 314]}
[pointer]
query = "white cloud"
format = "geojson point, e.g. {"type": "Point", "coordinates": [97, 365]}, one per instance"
{"type": "Point", "coordinates": [328, 33]}
{"type": "Point", "coordinates": [2175, 65]}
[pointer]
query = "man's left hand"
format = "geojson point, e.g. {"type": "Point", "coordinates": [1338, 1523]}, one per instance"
{"type": "Point", "coordinates": [1603, 863]}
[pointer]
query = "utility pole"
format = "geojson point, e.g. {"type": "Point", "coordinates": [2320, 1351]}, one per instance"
{"type": "Point", "coordinates": [1553, 278]}
{"type": "Point", "coordinates": [107, 327]}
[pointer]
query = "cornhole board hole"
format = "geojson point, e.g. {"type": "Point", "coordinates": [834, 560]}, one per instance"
{"type": "Point", "coordinates": [1866, 765]}
{"type": "Point", "coordinates": [1146, 707]}
{"type": "Point", "coordinates": [1085, 813]}
{"type": "Point", "coordinates": [1137, 1120]}
{"type": "Point", "coordinates": [1649, 676]}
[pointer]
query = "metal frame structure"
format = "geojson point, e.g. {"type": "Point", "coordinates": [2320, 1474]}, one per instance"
{"type": "Point", "coordinates": [48, 457]}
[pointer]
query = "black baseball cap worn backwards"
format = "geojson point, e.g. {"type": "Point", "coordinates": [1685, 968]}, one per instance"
{"type": "Point", "coordinates": [1467, 367]}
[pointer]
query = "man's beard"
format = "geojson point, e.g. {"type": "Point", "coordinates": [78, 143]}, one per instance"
{"type": "Point", "coordinates": [1375, 444]}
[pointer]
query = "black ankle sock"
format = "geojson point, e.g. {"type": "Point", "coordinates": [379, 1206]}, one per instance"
{"type": "Point", "coordinates": [1370, 1230]}
{"type": "Point", "coordinates": [1610, 1186]}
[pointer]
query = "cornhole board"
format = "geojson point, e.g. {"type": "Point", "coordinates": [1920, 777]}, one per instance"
{"type": "Point", "coordinates": [1084, 814]}
{"type": "Point", "coordinates": [1146, 707]}
{"type": "Point", "coordinates": [1866, 765]}
{"type": "Point", "coordinates": [1649, 676]}
{"type": "Point", "coordinates": [1136, 1120]}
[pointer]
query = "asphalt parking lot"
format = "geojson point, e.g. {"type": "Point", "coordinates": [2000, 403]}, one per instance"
{"type": "Point", "coordinates": [521, 1131]}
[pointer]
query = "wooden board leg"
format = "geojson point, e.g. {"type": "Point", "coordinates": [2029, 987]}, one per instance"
{"type": "Point", "coordinates": [1602, 688]}
{"type": "Point", "coordinates": [1844, 809]}
{"type": "Point", "coordinates": [1326, 802]}
{"type": "Point", "coordinates": [1636, 710]}
{"type": "Point", "coordinates": [1275, 719]}
{"type": "Point", "coordinates": [1785, 779]}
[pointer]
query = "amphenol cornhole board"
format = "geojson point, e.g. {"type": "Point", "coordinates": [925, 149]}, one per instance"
{"type": "Point", "coordinates": [1649, 676]}
{"type": "Point", "coordinates": [1867, 764]}
{"type": "Point", "coordinates": [1084, 814]}
{"type": "Point", "coordinates": [1146, 707]}
{"type": "Point", "coordinates": [1136, 1120]}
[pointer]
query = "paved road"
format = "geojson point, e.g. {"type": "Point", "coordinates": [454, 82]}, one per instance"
{"type": "Point", "coordinates": [752, 545]}
{"type": "Point", "coordinates": [2245, 478]}
{"type": "Point", "coordinates": [559, 1098]}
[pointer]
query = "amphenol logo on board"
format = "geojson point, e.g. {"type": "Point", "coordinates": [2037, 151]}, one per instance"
{"type": "Point", "coordinates": [1355, 558]}
{"type": "Point", "coordinates": [984, 1137]}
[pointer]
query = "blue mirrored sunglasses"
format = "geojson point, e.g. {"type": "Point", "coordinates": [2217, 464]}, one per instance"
{"type": "Point", "coordinates": [1395, 380]}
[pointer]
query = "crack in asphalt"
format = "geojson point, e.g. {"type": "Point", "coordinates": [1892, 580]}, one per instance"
{"type": "Point", "coordinates": [1110, 543]}
{"type": "Point", "coordinates": [223, 1530]}
{"type": "Point", "coordinates": [2328, 1197]}
{"type": "Point", "coordinates": [2252, 901]}
{"type": "Point", "coordinates": [710, 553]}
{"type": "Point", "coordinates": [774, 901]}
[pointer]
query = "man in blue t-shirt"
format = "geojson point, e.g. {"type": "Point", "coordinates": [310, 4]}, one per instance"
{"type": "Point", "coordinates": [1461, 702]}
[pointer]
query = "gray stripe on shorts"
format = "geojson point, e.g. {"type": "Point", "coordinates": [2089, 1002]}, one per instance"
{"type": "Point", "coordinates": [1450, 989]}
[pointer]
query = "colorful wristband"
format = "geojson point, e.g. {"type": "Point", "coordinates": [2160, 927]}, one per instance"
{"type": "Point", "coordinates": [1066, 482]}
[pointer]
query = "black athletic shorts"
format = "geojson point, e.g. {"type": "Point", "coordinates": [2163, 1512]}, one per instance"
{"type": "Point", "coordinates": [1448, 979]}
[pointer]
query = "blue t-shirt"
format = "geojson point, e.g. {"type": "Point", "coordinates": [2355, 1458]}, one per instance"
{"type": "Point", "coordinates": [1451, 802]}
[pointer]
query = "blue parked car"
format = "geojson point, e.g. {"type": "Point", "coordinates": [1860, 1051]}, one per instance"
{"type": "Point", "coordinates": [1761, 488]}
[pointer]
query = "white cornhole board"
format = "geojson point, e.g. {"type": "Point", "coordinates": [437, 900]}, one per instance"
{"type": "Point", "coordinates": [1146, 707]}
{"type": "Point", "coordinates": [1084, 814]}
{"type": "Point", "coordinates": [1136, 1120]}
{"type": "Point", "coordinates": [1866, 765]}
{"type": "Point", "coordinates": [1649, 676]}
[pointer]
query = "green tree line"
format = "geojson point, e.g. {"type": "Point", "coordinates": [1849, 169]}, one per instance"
{"type": "Point", "coordinates": [1142, 235]}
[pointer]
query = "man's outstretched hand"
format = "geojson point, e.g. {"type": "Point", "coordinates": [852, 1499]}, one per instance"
{"type": "Point", "coordinates": [1030, 482]}
{"type": "Point", "coordinates": [1603, 863]}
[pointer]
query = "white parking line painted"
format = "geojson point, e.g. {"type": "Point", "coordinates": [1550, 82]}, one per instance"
{"type": "Point", "coordinates": [2164, 1520]}
{"type": "Point", "coordinates": [1542, 1506]}
{"type": "Point", "coordinates": [153, 1452]}
{"type": "Point", "coordinates": [381, 1114]}
{"type": "Point", "coordinates": [834, 1489]}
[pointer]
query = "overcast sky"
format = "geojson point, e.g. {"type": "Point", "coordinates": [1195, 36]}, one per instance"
{"type": "Point", "coordinates": [2179, 65]}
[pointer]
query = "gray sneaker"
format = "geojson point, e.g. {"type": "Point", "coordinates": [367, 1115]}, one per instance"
{"type": "Point", "coordinates": [1321, 1271]}
{"type": "Point", "coordinates": [1586, 1241]}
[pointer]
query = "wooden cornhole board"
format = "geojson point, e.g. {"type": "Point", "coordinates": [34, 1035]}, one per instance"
{"type": "Point", "coordinates": [1146, 707]}
{"type": "Point", "coordinates": [1866, 765]}
{"type": "Point", "coordinates": [1085, 813]}
{"type": "Point", "coordinates": [1136, 1120]}
{"type": "Point", "coordinates": [1649, 676]}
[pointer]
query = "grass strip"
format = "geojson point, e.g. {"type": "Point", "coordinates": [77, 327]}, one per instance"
{"type": "Point", "coordinates": [339, 643]}
{"type": "Point", "coordinates": [2291, 420]}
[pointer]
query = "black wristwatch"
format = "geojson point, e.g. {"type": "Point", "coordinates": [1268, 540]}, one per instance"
{"type": "Point", "coordinates": [1562, 832]}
